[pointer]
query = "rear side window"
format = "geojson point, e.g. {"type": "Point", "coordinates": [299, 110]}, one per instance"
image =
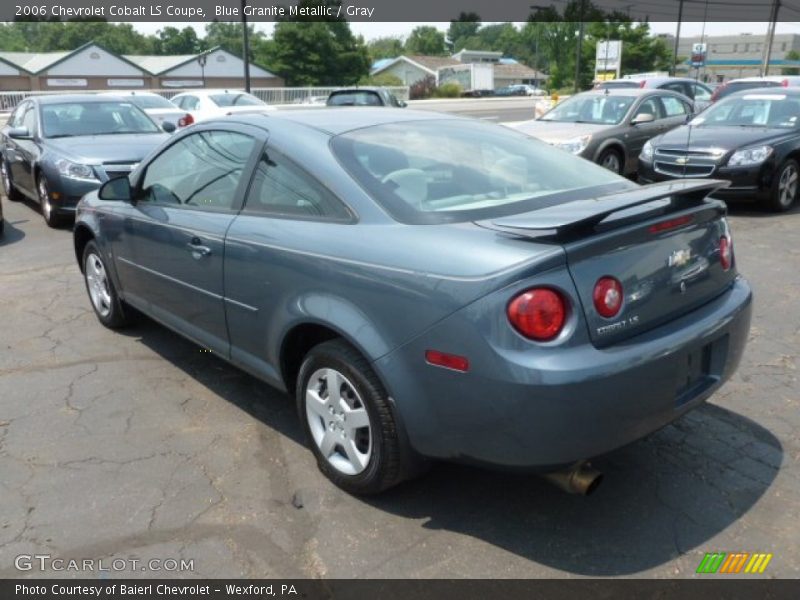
{"type": "Point", "coordinates": [673, 107]}
{"type": "Point", "coordinates": [201, 170]}
{"type": "Point", "coordinates": [281, 188]}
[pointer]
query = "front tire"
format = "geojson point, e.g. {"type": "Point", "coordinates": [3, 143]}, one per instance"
{"type": "Point", "coordinates": [784, 187]}
{"type": "Point", "coordinates": [611, 160]}
{"type": "Point", "coordinates": [347, 419]}
{"type": "Point", "coordinates": [42, 190]}
{"type": "Point", "coordinates": [8, 186]}
{"type": "Point", "coordinates": [102, 293]}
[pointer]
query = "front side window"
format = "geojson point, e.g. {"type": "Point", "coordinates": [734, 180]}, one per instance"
{"type": "Point", "coordinates": [650, 106]}
{"type": "Point", "coordinates": [438, 171]}
{"type": "Point", "coordinates": [19, 113]}
{"type": "Point", "coordinates": [701, 92]}
{"type": "Point", "coordinates": [29, 119]}
{"type": "Point", "coordinates": [201, 170]}
{"type": "Point", "coordinates": [70, 119]}
{"type": "Point", "coordinates": [281, 188]}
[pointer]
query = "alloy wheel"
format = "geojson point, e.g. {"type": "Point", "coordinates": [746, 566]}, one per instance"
{"type": "Point", "coordinates": [338, 421]}
{"type": "Point", "coordinates": [97, 282]}
{"type": "Point", "coordinates": [44, 200]}
{"type": "Point", "coordinates": [6, 179]}
{"type": "Point", "coordinates": [787, 186]}
{"type": "Point", "coordinates": [611, 162]}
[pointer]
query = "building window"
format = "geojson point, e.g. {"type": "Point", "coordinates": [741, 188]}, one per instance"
{"type": "Point", "coordinates": [746, 48]}
{"type": "Point", "coordinates": [736, 47]}
{"type": "Point", "coordinates": [783, 47]}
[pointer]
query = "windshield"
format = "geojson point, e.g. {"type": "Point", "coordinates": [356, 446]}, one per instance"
{"type": "Point", "coordinates": [94, 118]}
{"type": "Point", "coordinates": [437, 171]}
{"type": "Point", "coordinates": [752, 110]}
{"type": "Point", "coordinates": [235, 99]}
{"type": "Point", "coordinates": [151, 102]}
{"type": "Point", "coordinates": [593, 108]}
{"type": "Point", "coordinates": [362, 98]}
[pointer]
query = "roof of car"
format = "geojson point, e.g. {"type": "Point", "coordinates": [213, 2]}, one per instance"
{"type": "Point", "coordinates": [769, 91]}
{"type": "Point", "coordinates": [335, 121]}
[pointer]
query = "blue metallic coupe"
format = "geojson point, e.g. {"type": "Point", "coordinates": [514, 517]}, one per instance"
{"type": "Point", "coordinates": [427, 287]}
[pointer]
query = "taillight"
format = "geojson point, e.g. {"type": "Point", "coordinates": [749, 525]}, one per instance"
{"type": "Point", "coordinates": [642, 83]}
{"type": "Point", "coordinates": [185, 120]}
{"type": "Point", "coordinates": [715, 94]}
{"type": "Point", "coordinates": [448, 361]}
{"type": "Point", "coordinates": [670, 224]}
{"type": "Point", "coordinates": [785, 83]}
{"type": "Point", "coordinates": [538, 314]}
{"type": "Point", "coordinates": [607, 296]}
{"type": "Point", "coordinates": [725, 252]}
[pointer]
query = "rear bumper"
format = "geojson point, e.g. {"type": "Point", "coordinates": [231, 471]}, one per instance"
{"type": "Point", "coordinates": [538, 409]}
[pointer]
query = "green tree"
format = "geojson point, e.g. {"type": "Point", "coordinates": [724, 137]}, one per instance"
{"type": "Point", "coordinates": [307, 51]}
{"type": "Point", "coordinates": [426, 39]}
{"type": "Point", "coordinates": [465, 26]}
{"type": "Point", "coordinates": [172, 40]}
{"type": "Point", "coordinates": [385, 47]}
{"type": "Point", "coordinates": [791, 55]}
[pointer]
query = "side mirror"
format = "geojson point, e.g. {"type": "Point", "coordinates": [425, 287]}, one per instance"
{"type": "Point", "coordinates": [118, 189]}
{"type": "Point", "coordinates": [643, 118]}
{"type": "Point", "coordinates": [168, 126]}
{"type": "Point", "coordinates": [19, 133]}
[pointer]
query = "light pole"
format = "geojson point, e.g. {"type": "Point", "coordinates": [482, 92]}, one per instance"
{"type": "Point", "coordinates": [202, 59]}
{"type": "Point", "coordinates": [537, 7]}
{"type": "Point", "coordinates": [246, 43]}
{"type": "Point", "coordinates": [673, 70]}
{"type": "Point", "coordinates": [579, 47]}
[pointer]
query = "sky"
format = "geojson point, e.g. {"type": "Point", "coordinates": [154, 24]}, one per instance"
{"type": "Point", "coordinates": [372, 30]}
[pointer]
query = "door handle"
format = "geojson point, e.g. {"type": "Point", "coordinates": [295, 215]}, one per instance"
{"type": "Point", "coordinates": [198, 250]}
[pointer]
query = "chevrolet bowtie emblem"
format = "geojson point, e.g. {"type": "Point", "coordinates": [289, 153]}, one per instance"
{"type": "Point", "coordinates": [682, 160]}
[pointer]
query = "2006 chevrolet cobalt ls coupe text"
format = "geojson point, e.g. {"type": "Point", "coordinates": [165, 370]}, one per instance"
{"type": "Point", "coordinates": [427, 287]}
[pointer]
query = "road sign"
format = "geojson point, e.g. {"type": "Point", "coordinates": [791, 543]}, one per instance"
{"type": "Point", "coordinates": [699, 54]}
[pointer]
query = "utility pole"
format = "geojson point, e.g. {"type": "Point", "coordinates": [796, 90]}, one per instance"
{"type": "Point", "coordinates": [776, 5]}
{"type": "Point", "coordinates": [537, 7]}
{"type": "Point", "coordinates": [673, 70]}
{"type": "Point", "coordinates": [246, 41]}
{"type": "Point", "coordinates": [579, 48]}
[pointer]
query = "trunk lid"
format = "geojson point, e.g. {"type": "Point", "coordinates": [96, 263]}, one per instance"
{"type": "Point", "coordinates": [661, 242]}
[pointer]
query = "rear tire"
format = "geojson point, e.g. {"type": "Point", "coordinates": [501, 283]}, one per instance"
{"type": "Point", "coordinates": [102, 293]}
{"type": "Point", "coordinates": [784, 187]}
{"type": "Point", "coordinates": [611, 160]}
{"type": "Point", "coordinates": [362, 455]}
{"type": "Point", "coordinates": [8, 186]}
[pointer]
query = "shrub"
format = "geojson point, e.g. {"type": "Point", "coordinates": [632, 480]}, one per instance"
{"type": "Point", "coordinates": [423, 88]}
{"type": "Point", "coordinates": [448, 90]}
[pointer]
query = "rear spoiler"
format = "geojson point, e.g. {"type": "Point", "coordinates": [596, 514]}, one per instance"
{"type": "Point", "coordinates": [563, 220]}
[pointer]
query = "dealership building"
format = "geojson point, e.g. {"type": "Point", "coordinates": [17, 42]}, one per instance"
{"type": "Point", "coordinates": [92, 67]}
{"type": "Point", "coordinates": [736, 55]}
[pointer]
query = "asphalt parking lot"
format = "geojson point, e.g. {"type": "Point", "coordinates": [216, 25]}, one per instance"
{"type": "Point", "coordinates": [140, 445]}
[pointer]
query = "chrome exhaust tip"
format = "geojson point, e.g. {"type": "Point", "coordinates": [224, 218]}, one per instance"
{"type": "Point", "coordinates": [579, 479]}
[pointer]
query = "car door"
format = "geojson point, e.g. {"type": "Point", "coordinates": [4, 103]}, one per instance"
{"type": "Point", "coordinates": [22, 153]}
{"type": "Point", "coordinates": [675, 111]}
{"type": "Point", "coordinates": [172, 245]}
{"type": "Point", "coordinates": [267, 259]}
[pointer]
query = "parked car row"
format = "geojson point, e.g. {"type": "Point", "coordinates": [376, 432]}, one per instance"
{"type": "Point", "coordinates": [751, 138]}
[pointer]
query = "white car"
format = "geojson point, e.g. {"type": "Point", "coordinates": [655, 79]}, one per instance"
{"type": "Point", "coordinates": [157, 107]}
{"type": "Point", "coordinates": [208, 104]}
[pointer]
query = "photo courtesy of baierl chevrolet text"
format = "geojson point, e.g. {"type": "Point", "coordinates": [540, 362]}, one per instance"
{"type": "Point", "coordinates": [353, 299]}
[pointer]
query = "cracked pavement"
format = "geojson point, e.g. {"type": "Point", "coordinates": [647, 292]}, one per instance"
{"type": "Point", "coordinates": [140, 445]}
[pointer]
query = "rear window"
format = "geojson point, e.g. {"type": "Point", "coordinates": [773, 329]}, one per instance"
{"type": "Point", "coordinates": [616, 85]}
{"type": "Point", "coordinates": [151, 102]}
{"type": "Point", "coordinates": [235, 99]}
{"type": "Point", "coordinates": [70, 119]}
{"type": "Point", "coordinates": [449, 171]}
{"type": "Point", "coordinates": [740, 86]}
{"type": "Point", "coordinates": [359, 98]}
